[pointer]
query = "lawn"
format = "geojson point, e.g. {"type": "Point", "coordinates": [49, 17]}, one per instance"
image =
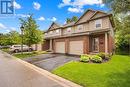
{"type": "Point", "coordinates": [115, 73]}
{"type": "Point", "coordinates": [26, 54]}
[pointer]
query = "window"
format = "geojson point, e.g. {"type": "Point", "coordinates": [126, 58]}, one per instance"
{"type": "Point", "coordinates": [51, 32]}
{"type": "Point", "coordinates": [98, 23]}
{"type": "Point", "coordinates": [69, 29]}
{"type": "Point", "coordinates": [57, 31]}
{"type": "Point", "coordinates": [80, 27]}
{"type": "Point", "coordinates": [45, 33]}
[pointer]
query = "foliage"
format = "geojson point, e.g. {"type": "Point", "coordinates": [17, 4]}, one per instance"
{"type": "Point", "coordinates": [32, 35]}
{"type": "Point", "coordinates": [68, 20]}
{"type": "Point", "coordinates": [96, 59]}
{"type": "Point", "coordinates": [10, 38]}
{"type": "Point", "coordinates": [123, 34]}
{"type": "Point", "coordinates": [73, 19]}
{"type": "Point", "coordinates": [118, 6]}
{"type": "Point", "coordinates": [114, 73]}
{"type": "Point", "coordinates": [102, 55]}
{"type": "Point", "coordinates": [121, 10]}
{"type": "Point", "coordinates": [84, 58]}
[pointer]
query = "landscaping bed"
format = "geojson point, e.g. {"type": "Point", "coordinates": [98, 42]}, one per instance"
{"type": "Point", "coordinates": [114, 73]}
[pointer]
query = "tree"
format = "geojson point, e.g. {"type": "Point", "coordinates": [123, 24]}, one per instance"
{"type": "Point", "coordinates": [73, 19]}
{"type": "Point", "coordinates": [32, 35]}
{"type": "Point", "coordinates": [13, 38]}
{"type": "Point", "coordinates": [68, 20]}
{"type": "Point", "coordinates": [10, 38]}
{"type": "Point", "coordinates": [118, 6]}
{"type": "Point", "coordinates": [120, 10]}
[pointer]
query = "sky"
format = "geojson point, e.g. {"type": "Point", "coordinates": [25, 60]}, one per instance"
{"type": "Point", "coordinates": [47, 11]}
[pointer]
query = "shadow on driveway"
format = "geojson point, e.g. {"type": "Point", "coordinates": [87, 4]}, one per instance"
{"type": "Point", "coordinates": [50, 61]}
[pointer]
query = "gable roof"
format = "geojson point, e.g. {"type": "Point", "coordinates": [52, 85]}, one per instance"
{"type": "Point", "coordinates": [103, 14]}
{"type": "Point", "coordinates": [92, 14]}
{"type": "Point", "coordinates": [54, 25]}
{"type": "Point", "coordinates": [85, 14]}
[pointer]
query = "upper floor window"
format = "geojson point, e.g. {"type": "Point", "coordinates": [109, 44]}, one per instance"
{"type": "Point", "coordinates": [69, 29]}
{"type": "Point", "coordinates": [51, 32]}
{"type": "Point", "coordinates": [98, 23]}
{"type": "Point", "coordinates": [80, 27]}
{"type": "Point", "coordinates": [45, 33]}
{"type": "Point", "coordinates": [57, 31]}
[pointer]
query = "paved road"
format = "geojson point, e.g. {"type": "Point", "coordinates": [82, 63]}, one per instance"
{"type": "Point", "coordinates": [50, 61]}
{"type": "Point", "coordinates": [15, 74]}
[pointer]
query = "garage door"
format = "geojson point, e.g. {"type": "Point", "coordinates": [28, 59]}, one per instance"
{"type": "Point", "coordinates": [76, 47]}
{"type": "Point", "coordinates": [60, 47]}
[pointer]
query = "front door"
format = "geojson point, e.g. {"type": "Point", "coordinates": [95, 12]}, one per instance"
{"type": "Point", "coordinates": [95, 44]}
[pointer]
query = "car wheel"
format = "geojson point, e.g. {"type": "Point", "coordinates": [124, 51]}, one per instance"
{"type": "Point", "coordinates": [16, 51]}
{"type": "Point", "coordinates": [30, 49]}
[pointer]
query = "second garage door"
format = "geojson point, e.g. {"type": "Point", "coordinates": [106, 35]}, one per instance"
{"type": "Point", "coordinates": [60, 47]}
{"type": "Point", "coordinates": [76, 47]}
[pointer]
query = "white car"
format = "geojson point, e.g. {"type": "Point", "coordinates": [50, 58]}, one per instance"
{"type": "Point", "coordinates": [18, 48]}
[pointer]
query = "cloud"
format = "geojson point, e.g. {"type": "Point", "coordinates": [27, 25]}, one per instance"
{"type": "Point", "coordinates": [16, 5]}
{"type": "Point", "coordinates": [6, 29]}
{"type": "Point", "coordinates": [36, 5]}
{"type": "Point", "coordinates": [22, 15]}
{"type": "Point", "coordinates": [2, 26]}
{"type": "Point", "coordinates": [77, 5]}
{"type": "Point", "coordinates": [52, 19]}
{"type": "Point", "coordinates": [41, 19]}
{"type": "Point", "coordinates": [75, 10]}
{"type": "Point", "coordinates": [12, 28]}
{"type": "Point", "coordinates": [102, 5]}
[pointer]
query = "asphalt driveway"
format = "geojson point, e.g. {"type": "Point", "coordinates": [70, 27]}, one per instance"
{"type": "Point", "coordinates": [51, 61]}
{"type": "Point", "coordinates": [14, 73]}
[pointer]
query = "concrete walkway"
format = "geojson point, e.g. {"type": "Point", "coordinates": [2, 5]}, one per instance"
{"type": "Point", "coordinates": [16, 73]}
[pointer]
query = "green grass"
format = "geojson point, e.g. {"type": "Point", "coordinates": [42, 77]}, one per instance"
{"type": "Point", "coordinates": [115, 73]}
{"type": "Point", "coordinates": [26, 55]}
{"type": "Point", "coordinates": [5, 50]}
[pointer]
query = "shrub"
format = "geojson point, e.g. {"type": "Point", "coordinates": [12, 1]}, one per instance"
{"type": "Point", "coordinates": [84, 58]}
{"type": "Point", "coordinates": [102, 55]}
{"type": "Point", "coordinates": [96, 59]}
{"type": "Point", "coordinates": [107, 57]}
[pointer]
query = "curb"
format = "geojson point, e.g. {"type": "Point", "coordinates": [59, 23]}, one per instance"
{"type": "Point", "coordinates": [59, 80]}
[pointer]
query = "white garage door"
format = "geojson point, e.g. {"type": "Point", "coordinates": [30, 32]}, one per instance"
{"type": "Point", "coordinates": [76, 47]}
{"type": "Point", "coordinates": [60, 47]}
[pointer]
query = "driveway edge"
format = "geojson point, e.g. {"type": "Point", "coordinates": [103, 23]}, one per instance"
{"type": "Point", "coordinates": [59, 80]}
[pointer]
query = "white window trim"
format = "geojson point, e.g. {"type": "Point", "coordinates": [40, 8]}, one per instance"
{"type": "Point", "coordinates": [69, 29]}
{"type": "Point", "coordinates": [45, 33]}
{"type": "Point", "coordinates": [58, 31]}
{"type": "Point", "coordinates": [51, 32]}
{"type": "Point", "coordinates": [80, 27]}
{"type": "Point", "coordinates": [99, 20]}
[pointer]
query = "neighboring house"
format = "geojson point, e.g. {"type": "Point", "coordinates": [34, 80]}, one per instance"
{"type": "Point", "coordinates": [92, 33]}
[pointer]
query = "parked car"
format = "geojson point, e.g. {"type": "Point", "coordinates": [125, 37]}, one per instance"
{"type": "Point", "coordinates": [18, 48]}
